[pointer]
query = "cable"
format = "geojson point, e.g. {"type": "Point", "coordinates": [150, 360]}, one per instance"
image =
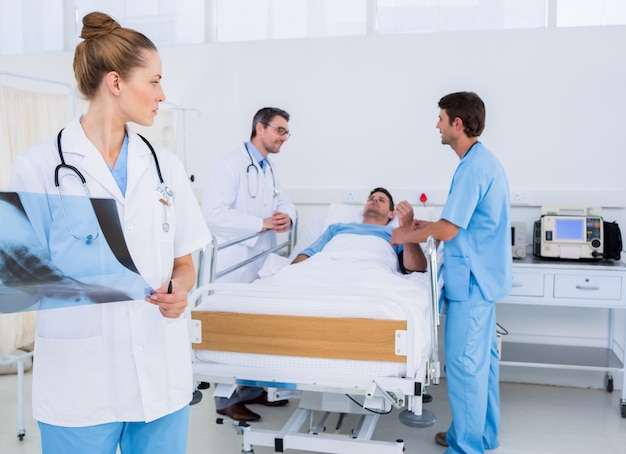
{"type": "Point", "coordinates": [501, 329]}
{"type": "Point", "coordinates": [368, 409]}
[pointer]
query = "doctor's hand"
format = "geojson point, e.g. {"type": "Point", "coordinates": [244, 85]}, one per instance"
{"type": "Point", "coordinates": [400, 235]}
{"type": "Point", "coordinates": [279, 222]}
{"type": "Point", "coordinates": [172, 303]}
{"type": "Point", "coordinates": [420, 224]}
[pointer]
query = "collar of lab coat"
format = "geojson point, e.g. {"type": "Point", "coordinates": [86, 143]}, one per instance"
{"type": "Point", "coordinates": [80, 152]}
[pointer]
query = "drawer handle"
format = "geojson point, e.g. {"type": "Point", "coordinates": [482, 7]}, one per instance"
{"type": "Point", "coordinates": [587, 287]}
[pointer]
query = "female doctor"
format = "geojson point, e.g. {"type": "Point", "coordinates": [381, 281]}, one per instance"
{"type": "Point", "coordinates": [117, 373]}
{"type": "Point", "coordinates": [243, 196]}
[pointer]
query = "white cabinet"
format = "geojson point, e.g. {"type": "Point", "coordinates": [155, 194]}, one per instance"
{"type": "Point", "coordinates": [591, 285]}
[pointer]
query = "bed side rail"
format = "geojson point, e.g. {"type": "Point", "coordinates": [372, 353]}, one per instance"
{"type": "Point", "coordinates": [434, 366]}
{"type": "Point", "coordinates": [287, 246]}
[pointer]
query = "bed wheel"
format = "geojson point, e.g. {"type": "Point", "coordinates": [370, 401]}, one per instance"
{"type": "Point", "coordinates": [623, 408]}
{"type": "Point", "coordinates": [21, 435]}
{"type": "Point", "coordinates": [608, 381]}
{"type": "Point", "coordinates": [426, 419]}
{"type": "Point", "coordinates": [247, 452]}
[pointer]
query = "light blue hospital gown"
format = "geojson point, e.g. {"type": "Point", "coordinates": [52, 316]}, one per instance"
{"type": "Point", "coordinates": [478, 270]}
{"type": "Point", "coordinates": [355, 228]}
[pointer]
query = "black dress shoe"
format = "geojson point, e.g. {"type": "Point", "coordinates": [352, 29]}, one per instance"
{"type": "Point", "coordinates": [239, 412]}
{"type": "Point", "coordinates": [262, 399]}
{"type": "Point", "coordinates": [440, 439]}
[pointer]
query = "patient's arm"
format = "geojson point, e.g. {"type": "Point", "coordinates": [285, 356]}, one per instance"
{"type": "Point", "coordinates": [299, 258]}
{"type": "Point", "coordinates": [317, 245]}
{"type": "Point", "coordinates": [413, 258]}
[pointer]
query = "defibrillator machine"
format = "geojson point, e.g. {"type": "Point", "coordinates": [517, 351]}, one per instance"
{"type": "Point", "coordinates": [569, 233]}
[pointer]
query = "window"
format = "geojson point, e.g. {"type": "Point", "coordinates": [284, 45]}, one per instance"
{"type": "Point", "coordinates": [26, 30]}
{"type": "Point", "coordinates": [573, 13]}
{"type": "Point", "coordinates": [33, 26]}
{"type": "Point", "coordinates": [397, 16]}
{"type": "Point", "coordinates": [164, 22]}
{"type": "Point", "coordinates": [241, 20]}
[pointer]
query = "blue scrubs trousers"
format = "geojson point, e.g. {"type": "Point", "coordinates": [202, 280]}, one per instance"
{"type": "Point", "coordinates": [472, 371]}
{"type": "Point", "coordinates": [167, 434]}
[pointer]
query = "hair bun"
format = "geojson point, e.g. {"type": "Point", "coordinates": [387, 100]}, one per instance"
{"type": "Point", "coordinates": [97, 24]}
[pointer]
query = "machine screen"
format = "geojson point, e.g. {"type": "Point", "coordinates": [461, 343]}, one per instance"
{"type": "Point", "coordinates": [569, 229]}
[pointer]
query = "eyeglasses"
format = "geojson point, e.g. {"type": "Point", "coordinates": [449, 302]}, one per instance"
{"type": "Point", "coordinates": [279, 129]}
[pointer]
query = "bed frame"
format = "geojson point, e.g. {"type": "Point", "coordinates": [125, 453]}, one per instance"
{"type": "Point", "coordinates": [19, 358]}
{"type": "Point", "coordinates": [312, 337]}
{"type": "Point", "coordinates": [285, 246]}
{"type": "Point", "coordinates": [320, 337]}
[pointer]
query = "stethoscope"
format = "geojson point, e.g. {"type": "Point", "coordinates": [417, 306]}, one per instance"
{"type": "Point", "coordinates": [166, 195]}
{"type": "Point", "coordinates": [256, 169]}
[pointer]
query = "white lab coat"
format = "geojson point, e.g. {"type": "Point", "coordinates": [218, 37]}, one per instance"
{"type": "Point", "coordinates": [123, 361]}
{"type": "Point", "coordinates": [231, 212]}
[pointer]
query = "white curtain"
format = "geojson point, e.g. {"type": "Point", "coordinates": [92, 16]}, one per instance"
{"type": "Point", "coordinates": [27, 118]}
{"type": "Point", "coordinates": [17, 331]}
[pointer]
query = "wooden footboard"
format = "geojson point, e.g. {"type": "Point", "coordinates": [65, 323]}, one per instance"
{"type": "Point", "coordinates": [316, 337]}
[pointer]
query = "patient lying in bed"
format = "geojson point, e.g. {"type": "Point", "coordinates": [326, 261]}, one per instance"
{"type": "Point", "coordinates": [378, 212]}
{"type": "Point", "coordinates": [358, 256]}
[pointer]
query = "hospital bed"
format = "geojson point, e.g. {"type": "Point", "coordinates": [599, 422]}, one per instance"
{"type": "Point", "coordinates": [339, 348]}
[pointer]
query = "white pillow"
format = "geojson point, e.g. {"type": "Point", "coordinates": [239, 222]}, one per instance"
{"type": "Point", "coordinates": [342, 213]}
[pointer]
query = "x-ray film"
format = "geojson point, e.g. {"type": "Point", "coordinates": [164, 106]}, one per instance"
{"type": "Point", "coordinates": [60, 251]}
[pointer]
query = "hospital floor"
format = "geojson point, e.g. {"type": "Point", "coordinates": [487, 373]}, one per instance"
{"type": "Point", "coordinates": [535, 420]}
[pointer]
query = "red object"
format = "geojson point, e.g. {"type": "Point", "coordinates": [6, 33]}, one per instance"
{"type": "Point", "coordinates": [423, 198]}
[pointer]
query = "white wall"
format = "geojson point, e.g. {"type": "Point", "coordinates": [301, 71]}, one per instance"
{"type": "Point", "coordinates": [364, 111]}
{"type": "Point", "coordinates": [364, 108]}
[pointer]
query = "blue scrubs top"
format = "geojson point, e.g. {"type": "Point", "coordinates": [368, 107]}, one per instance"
{"type": "Point", "coordinates": [479, 204]}
{"type": "Point", "coordinates": [120, 171]}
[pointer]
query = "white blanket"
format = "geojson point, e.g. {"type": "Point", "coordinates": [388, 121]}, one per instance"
{"type": "Point", "coordinates": [354, 276]}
